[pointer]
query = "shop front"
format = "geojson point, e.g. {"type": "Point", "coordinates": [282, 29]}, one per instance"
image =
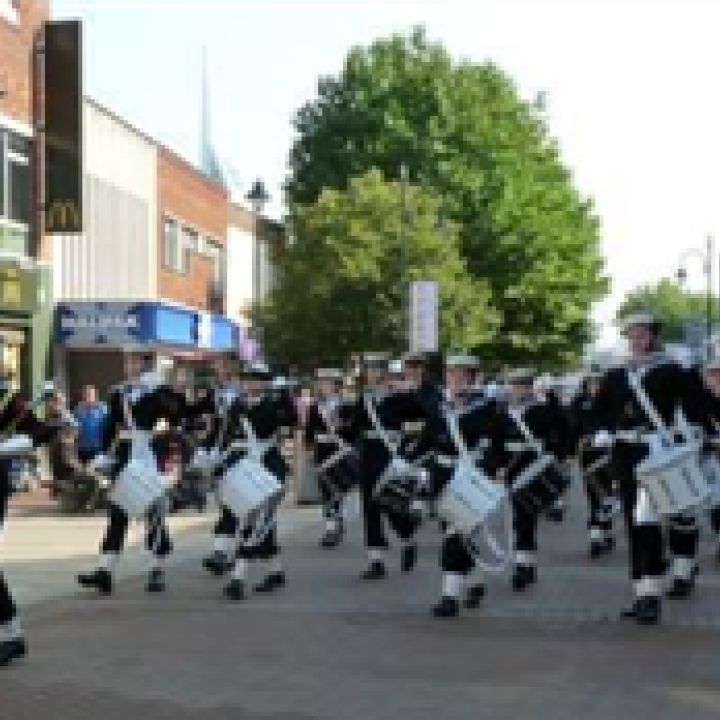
{"type": "Point", "coordinates": [25, 322]}
{"type": "Point", "coordinates": [92, 339]}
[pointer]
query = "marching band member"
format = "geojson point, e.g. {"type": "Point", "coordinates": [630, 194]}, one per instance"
{"type": "Point", "coordinates": [225, 392]}
{"type": "Point", "coordinates": [595, 467]}
{"type": "Point", "coordinates": [712, 380]}
{"type": "Point", "coordinates": [324, 431]}
{"type": "Point", "coordinates": [475, 416]}
{"type": "Point", "coordinates": [137, 406]}
{"type": "Point", "coordinates": [620, 411]}
{"type": "Point", "coordinates": [16, 417]}
{"type": "Point", "coordinates": [392, 409]}
{"type": "Point", "coordinates": [530, 429]}
{"type": "Point", "coordinates": [265, 412]}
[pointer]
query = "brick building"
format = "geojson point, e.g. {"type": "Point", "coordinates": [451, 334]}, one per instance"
{"type": "Point", "coordinates": [25, 297]}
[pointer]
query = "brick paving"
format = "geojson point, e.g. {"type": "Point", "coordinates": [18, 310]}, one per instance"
{"type": "Point", "coordinates": [330, 647]}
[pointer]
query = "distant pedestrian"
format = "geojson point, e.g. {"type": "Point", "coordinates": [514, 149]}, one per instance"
{"type": "Point", "coordinates": [91, 416]}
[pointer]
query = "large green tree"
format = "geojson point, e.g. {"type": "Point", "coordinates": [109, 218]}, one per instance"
{"type": "Point", "coordinates": [462, 130]}
{"type": "Point", "coordinates": [341, 281]}
{"type": "Point", "coordinates": [671, 303]}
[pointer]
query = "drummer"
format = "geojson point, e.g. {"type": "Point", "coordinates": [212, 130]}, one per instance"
{"type": "Point", "coordinates": [266, 410]}
{"type": "Point", "coordinates": [627, 427]}
{"type": "Point", "coordinates": [475, 417]}
{"type": "Point", "coordinates": [712, 380]}
{"type": "Point", "coordinates": [16, 417]}
{"type": "Point", "coordinates": [393, 409]}
{"type": "Point", "coordinates": [326, 433]}
{"type": "Point", "coordinates": [531, 427]}
{"type": "Point", "coordinates": [138, 404]}
{"type": "Point", "coordinates": [594, 466]}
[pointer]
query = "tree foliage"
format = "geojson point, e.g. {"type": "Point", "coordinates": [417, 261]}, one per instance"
{"type": "Point", "coordinates": [341, 281]}
{"type": "Point", "coordinates": [673, 305]}
{"type": "Point", "coordinates": [463, 131]}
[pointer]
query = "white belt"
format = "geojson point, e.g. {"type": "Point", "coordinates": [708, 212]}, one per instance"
{"type": "Point", "coordinates": [635, 436]}
{"type": "Point", "coordinates": [392, 435]}
{"type": "Point", "coordinates": [325, 437]}
{"type": "Point", "coordinates": [519, 446]}
{"type": "Point", "coordinates": [447, 461]}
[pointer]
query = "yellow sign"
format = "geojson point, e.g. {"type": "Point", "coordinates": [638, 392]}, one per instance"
{"type": "Point", "coordinates": [63, 216]}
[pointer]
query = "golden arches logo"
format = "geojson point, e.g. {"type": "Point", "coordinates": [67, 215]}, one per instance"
{"type": "Point", "coordinates": [63, 216]}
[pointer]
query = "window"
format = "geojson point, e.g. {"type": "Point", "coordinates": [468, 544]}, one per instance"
{"type": "Point", "coordinates": [189, 246]}
{"type": "Point", "coordinates": [171, 255]}
{"type": "Point", "coordinates": [19, 193]}
{"type": "Point", "coordinates": [9, 10]}
{"type": "Point", "coordinates": [15, 192]}
{"type": "Point", "coordinates": [215, 251]}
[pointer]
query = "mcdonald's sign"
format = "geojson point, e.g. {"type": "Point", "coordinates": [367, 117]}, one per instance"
{"type": "Point", "coordinates": [63, 126]}
{"type": "Point", "coordinates": [63, 216]}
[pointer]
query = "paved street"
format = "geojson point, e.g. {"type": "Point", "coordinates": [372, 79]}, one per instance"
{"type": "Point", "coordinates": [329, 646]}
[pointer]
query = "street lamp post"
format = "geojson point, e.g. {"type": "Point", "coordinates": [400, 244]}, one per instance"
{"type": "Point", "coordinates": [707, 260]}
{"type": "Point", "coordinates": [404, 333]}
{"type": "Point", "coordinates": [257, 197]}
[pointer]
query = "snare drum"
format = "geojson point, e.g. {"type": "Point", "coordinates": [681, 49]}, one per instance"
{"type": "Point", "coordinates": [138, 487]}
{"type": "Point", "coordinates": [539, 485]}
{"type": "Point", "coordinates": [469, 499]}
{"type": "Point", "coordinates": [247, 487]}
{"type": "Point", "coordinates": [16, 446]}
{"type": "Point", "coordinates": [399, 485]}
{"type": "Point", "coordinates": [711, 468]}
{"type": "Point", "coordinates": [673, 479]}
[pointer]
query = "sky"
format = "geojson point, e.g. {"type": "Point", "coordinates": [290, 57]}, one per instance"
{"type": "Point", "coordinates": [632, 87]}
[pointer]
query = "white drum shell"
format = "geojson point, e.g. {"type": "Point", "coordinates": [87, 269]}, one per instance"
{"type": "Point", "coordinates": [138, 487]}
{"type": "Point", "coordinates": [674, 479]}
{"type": "Point", "coordinates": [711, 467]}
{"type": "Point", "coordinates": [469, 499]}
{"type": "Point", "coordinates": [247, 486]}
{"type": "Point", "coordinates": [15, 446]}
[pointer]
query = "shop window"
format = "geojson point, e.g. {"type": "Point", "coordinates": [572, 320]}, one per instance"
{"type": "Point", "coordinates": [3, 183]}
{"type": "Point", "coordinates": [19, 192]}
{"type": "Point", "coordinates": [13, 240]}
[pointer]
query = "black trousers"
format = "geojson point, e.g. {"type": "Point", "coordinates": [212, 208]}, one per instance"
{"type": "Point", "coordinates": [403, 524]}
{"type": "Point", "coordinates": [715, 520]}
{"type": "Point", "coordinates": [331, 502]}
{"type": "Point", "coordinates": [454, 555]}
{"type": "Point", "coordinates": [525, 523]}
{"type": "Point", "coordinates": [645, 541]}
{"type": "Point", "coordinates": [228, 526]}
{"type": "Point", "coordinates": [157, 536]}
{"type": "Point", "coordinates": [683, 536]}
{"type": "Point", "coordinates": [7, 606]}
{"type": "Point", "coordinates": [598, 488]}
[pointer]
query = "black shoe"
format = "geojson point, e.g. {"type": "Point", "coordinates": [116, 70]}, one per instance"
{"type": "Point", "coordinates": [408, 558]}
{"type": "Point", "coordinates": [217, 563]}
{"type": "Point", "coordinates": [331, 539]}
{"type": "Point", "coordinates": [609, 543]}
{"type": "Point", "coordinates": [272, 582]}
{"type": "Point", "coordinates": [376, 571]}
{"type": "Point", "coordinates": [156, 582]}
{"type": "Point", "coordinates": [474, 596]}
{"type": "Point", "coordinates": [101, 580]}
{"type": "Point", "coordinates": [523, 577]}
{"type": "Point", "coordinates": [235, 590]}
{"type": "Point", "coordinates": [681, 588]}
{"type": "Point", "coordinates": [630, 613]}
{"type": "Point", "coordinates": [597, 549]}
{"type": "Point", "coordinates": [12, 650]}
{"type": "Point", "coordinates": [555, 514]}
{"type": "Point", "coordinates": [647, 610]}
{"type": "Point", "coordinates": [448, 607]}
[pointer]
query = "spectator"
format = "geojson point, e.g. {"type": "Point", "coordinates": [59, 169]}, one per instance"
{"type": "Point", "coordinates": [91, 416]}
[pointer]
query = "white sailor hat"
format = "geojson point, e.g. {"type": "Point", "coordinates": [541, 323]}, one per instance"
{"type": "Point", "coordinates": [256, 371]}
{"type": "Point", "coordinates": [462, 360]}
{"type": "Point", "coordinates": [329, 374]}
{"type": "Point", "coordinates": [644, 318]}
{"type": "Point", "coordinates": [521, 376]}
{"type": "Point", "coordinates": [377, 360]}
{"type": "Point", "coordinates": [395, 367]}
{"type": "Point", "coordinates": [413, 358]}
